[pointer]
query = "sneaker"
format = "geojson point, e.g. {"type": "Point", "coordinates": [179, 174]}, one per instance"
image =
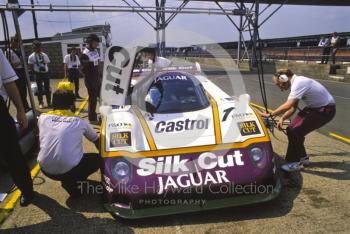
{"type": "Point", "coordinates": [78, 97]}
{"type": "Point", "coordinates": [291, 167]}
{"type": "Point", "coordinates": [41, 106]}
{"type": "Point", "coordinates": [305, 161]}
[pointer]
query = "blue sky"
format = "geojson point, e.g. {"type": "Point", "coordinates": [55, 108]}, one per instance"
{"type": "Point", "coordinates": [288, 21]}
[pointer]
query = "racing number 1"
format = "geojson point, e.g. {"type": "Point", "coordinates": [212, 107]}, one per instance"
{"type": "Point", "coordinates": [226, 113]}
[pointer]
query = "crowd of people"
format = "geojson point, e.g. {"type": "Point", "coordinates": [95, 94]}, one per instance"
{"type": "Point", "coordinates": [61, 132]}
{"type": "Point", "coordinates": [74, 65]}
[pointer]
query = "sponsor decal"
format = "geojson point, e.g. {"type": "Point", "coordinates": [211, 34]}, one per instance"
{"type": "Point", "coordinates": [114, 73]}
{"type": "Point", "coordinates": [237, 115]}
{"type": "Point", "coordinates": [177, 126]}
{"type": "Point", "coordinates": [243, 115]}
{"type": "Point", "coordinates": [171, 77]}
{"type": "Point", "coordinates": [120, 125]}
{"type": "Point", "coordinates": [248, 128]}
{"type": "Point", "coordinates": [117, 70]}
{"type": "Point", "coordinates": [184, 176]}
{"type": "Point", "coordinates": [118, 139]}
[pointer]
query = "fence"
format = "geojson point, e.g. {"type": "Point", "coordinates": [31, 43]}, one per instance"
{"type": "Point", "coordinates": [302, 54]}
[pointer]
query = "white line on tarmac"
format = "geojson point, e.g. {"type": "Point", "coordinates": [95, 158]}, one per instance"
{"type": "Point", "coordinates": [178, 229]}
{"type": "Point", "coordinates": [270, 83]}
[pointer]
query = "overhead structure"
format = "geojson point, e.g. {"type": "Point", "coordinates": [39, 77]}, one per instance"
{"type": "Point", "coordinates": [291, 2]}
{"type": "Point", "coordinates": [252, 18]}
{"type": "Point", "coordinates": [251, 15]}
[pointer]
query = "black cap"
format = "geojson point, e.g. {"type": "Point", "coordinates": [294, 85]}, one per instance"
{"type": "Point", "coordinates": [92, 37]}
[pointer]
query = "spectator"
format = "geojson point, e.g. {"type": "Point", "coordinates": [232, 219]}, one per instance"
{"type": "Point", "coordinates": [335, 40]}
{"type": "Point", "coordinates": [10, 150]}
{"type": "Point", "coordinates": [90, 60]}
{"type": "Point", "coordinates": [15, 57]}
{"type": "Point", "coordinates": [38, 61]}
{"type": "Point", "coordinates": [71, 69]}
{"type": "Point", "coordinates": [326, 49]}
{"type": "Point", "coordinates": [319, 110]}
{"type": "Point", "coordinates": [61, 134]}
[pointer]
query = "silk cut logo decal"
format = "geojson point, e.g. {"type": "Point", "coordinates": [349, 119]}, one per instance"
{"type": "Point", "coordinates": [248, 128]}
{"type": "Point", "coordinates": [120, 139]}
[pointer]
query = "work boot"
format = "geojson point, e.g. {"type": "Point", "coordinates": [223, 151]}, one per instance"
{"type": "Point", "coordinates": [25, 200]}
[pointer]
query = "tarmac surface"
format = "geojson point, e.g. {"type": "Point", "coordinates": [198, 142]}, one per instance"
{"type": "Point", "coordinates": [315, 200]}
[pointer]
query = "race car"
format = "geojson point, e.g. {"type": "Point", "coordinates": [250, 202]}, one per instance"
{"type": "Point", "coordinates": [174, 142]}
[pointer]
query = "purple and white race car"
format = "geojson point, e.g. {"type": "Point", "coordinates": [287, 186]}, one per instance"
{"type": "Point", "coordinates": [173, 142]}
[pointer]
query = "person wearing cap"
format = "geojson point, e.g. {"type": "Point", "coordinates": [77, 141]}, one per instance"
{"type": "Point", "coordinates": [61, 132]}
{"type": "Point", "coordinates": [71, 69]}
{"type": "Point", "coordinates": [38, 61]}
{"type": "Point", "coordinates": [90, 60]}
{"type": "Point", "coordinates": [319, 110]}
{"type": "Point", "coordinates": [10, 150]}
{"type": "Point", "coordinates": [15, 57]}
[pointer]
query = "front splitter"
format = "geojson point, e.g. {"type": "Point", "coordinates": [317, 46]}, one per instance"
{"type": "Point", "coordinates": [208, 205]}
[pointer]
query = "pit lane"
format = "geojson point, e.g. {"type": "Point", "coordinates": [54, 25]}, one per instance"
{"type": "Point", "coordinates": [315, 200]}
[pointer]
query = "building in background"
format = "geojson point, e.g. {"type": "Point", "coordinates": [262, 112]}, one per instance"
{"type": "Point", "coordinates": [59, 45]}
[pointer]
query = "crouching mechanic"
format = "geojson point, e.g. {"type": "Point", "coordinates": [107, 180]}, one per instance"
{"type": "Point", "coordinates": [61, 134]}
{"type": "Point", "coordinates": [319, 110]}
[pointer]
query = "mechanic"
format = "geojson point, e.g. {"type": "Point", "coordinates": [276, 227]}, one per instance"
{"type": "Point", "coordinates": [10, 150]}
{"type": "Point", "coordinates": [15, 58]}
{"type": "Point", "coordinates": [71, 69]}
{"type": "Point", "coordinates": [90, 60]}
{"type": "Point", "coordinates": [38, 61]}
{"type": "Point", "coordinates": [61, 132]}
{"type": "Point", "coordinates": [319, 110]}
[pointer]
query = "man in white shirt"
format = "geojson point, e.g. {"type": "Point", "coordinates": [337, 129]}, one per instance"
{"type": "Point", "coordinates": [71, 69]}
{"type": "Point", "coordinates": [319, 110]}
{"type": "Point", "coordinates": [38, 61]}
{"type": "Point", "coordinates": [10, 150]}
{"type": "Point", "coordinates": [15, 59]}
{"type": "Point", "coordinates": [326, 49]}
{"type": "Point", "coordinates": [61, 132]}
{"type": "Point", "coordinates": [335, 40]}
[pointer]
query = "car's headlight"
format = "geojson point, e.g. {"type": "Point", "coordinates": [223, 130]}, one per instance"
{"type": "Point", "coordinates": [121, 172]}
{"type": "Point", "coordinates": [257, 156]}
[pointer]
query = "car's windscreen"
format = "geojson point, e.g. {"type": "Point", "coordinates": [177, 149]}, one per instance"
{"type": "Point", "coordinates": [173, 96]}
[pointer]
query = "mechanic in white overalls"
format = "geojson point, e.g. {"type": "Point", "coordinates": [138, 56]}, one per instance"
{"type": "Point", "coordinates": [10, 150]}
{"type": "Point", "coordinates": [90, 60]}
